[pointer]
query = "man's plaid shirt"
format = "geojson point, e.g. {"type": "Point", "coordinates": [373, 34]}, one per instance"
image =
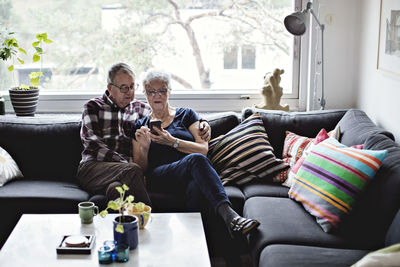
{"type": "Point", "coordinates": [106, 129]}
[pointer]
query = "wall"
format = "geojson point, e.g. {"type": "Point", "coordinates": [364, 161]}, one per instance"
{"type": "Point", "coordinates": [351, 47]}
{"type": "Point", "coordinates": [341, 26]}
{"type": "Point", "coordinates": [379, 92]}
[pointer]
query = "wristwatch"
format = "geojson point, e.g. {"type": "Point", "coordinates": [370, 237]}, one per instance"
{"type": "Point", "coordinates": [176, 144]}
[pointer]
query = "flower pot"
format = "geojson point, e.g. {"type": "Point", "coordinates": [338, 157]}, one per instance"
{"type": "Point", "coordinates": [130, 236]}
{"type": "Point", "coordinates": [24, 101]}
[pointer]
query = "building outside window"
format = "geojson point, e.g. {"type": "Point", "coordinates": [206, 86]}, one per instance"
{"type": "Point", "coordinates": [243, 57]}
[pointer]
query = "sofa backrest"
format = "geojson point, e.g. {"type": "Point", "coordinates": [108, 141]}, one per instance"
{"type": "Point", "coordinates": [43, 149]}
{"type": "Point", "coordinates": [308, 124]}
{"type": "Point", "coordinates": [221, 122]}
{"type": "Point", "coordinates": [356, 127]}
{"type": "Point", "coordinates": [50, 147]}
{"type": "Point", "coordinates": [374, 211]}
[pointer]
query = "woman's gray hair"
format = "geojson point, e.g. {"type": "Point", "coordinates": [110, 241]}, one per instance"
{"type": "Point", "coordinates": [156, 75]}
{"type": "Point", "coordinates": [119, 67]}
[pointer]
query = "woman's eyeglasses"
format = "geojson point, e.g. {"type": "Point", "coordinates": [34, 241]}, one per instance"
{"type": "Point", "coordinates": [125, 88]}
{"type": "Point", "coordinates": [160, 92]}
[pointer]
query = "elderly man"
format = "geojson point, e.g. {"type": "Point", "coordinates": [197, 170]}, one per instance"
{"type": "Point", "coordinates": [106, 126]}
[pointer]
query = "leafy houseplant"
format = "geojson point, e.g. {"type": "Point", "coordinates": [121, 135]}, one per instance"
{"type": "Point", "coordinates": [23, 97]}
{"type": "Point", "coordinates": [120, 204]}
{"type": "Point", "coordinates": [125, 225]}
{"type": "Point", "coordinates": [10, 50]}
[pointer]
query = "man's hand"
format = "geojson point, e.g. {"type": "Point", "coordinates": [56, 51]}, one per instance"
{"type": "Point", "coordinates": [205, 131]}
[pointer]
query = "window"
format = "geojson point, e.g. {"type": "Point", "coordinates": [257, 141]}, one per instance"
{"type": "Point", "coordinates": [212, 48]}
{"type": "Point", "coordinates": [230, 58]}
{"type": "Point", "coordinates": [248, 57]}
{"type": "Point", "coordinates": [240, 57]}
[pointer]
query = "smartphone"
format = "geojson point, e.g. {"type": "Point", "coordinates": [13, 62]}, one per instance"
{"type": "Point", "coordinates": [154, 123]}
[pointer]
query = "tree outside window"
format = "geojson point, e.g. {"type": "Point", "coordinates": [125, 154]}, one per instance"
{"type": "Point", "coordinates": [186, 37]}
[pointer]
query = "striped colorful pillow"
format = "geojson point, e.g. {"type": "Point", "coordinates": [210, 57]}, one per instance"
{"type": "Point", "coordinates": [244, 153]}
{"type": "Point", "coordinates": [331, 178]}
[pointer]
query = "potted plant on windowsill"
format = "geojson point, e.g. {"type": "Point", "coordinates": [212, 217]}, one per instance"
{"type": "Point", "coordinates": [24, 98]}
{"type": "Point", "coordinates": [125, 225]}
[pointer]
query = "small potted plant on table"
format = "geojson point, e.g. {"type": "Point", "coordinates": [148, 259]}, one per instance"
{"type": "Point", "coordinates": [125, 226]}
{"type": "Point", "coordinates": [24, 98]}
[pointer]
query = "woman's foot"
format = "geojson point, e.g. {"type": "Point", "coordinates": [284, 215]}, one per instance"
{"type": "Point", "coordinates": [243, 225]}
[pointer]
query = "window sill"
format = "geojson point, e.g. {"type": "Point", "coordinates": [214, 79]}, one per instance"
{"type": "Point", "coordinates": [218, 101]}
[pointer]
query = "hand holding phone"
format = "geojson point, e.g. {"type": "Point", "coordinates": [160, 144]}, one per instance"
{"type": "Point", "coordinates": [154, 123]}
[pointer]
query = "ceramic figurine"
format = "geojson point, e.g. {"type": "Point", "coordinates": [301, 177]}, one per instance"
{"type": "Point", "coordinates": [272, 92]}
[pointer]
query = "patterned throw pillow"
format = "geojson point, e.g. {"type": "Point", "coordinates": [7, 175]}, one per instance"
{"type": "Point", "coordinates": [8, 168]}
{"type": "Point", "coordinates": [293, 170]}
{"type": "Point", "coordinates": [295, 146]}
{"type": "Point", "coordinates": [331, 178]}
{"type": "Point", "coordinates": [244, 153]}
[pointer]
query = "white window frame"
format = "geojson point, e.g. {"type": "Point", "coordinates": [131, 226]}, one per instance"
{"type": "Point", "coordinates": [201, 101]}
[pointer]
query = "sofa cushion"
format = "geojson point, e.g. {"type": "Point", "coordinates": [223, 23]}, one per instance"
{"type": "Point", "coordinates": [264, 188]}
{"type": "Point", "coordinates": [175, 201]}
{"type": "Point", "coordinates": [308, 124]}
{"type": "Point", "coordinates": [8, 168]}
{"type": "Point", "coordinates": [22, 196]}
{"type": "Point", "coordinates": [308, 256]}
{"type": "Point", "coordinates": [236, 197]}
{"type": "Point", "coordinates": [244, 153]}
{"type": "Point", "coordinates": [221, 122]}
{"type": "Point", "coordinates": [52, 195]}
{"type": "Point", "coordinates": [380, 202]}
{"type": "Point", "coordinates": [356, 127]}
{"type": "Point", "coordinates": [45, 151]}
{"type": "Point", "coordinates": [332, 177]}
{"type": "Point", "coordinates": [393, 235]}
{"type": "Point", "coordinates": [284, 221]}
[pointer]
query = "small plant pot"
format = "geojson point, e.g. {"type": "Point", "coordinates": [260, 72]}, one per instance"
{"type": "Point", "coordinates": [24, 101]}
{"type": "Point", "coordinates": [130, 236]}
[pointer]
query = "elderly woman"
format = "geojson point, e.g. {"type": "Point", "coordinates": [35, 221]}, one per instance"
{"type": "Point", "coordinates": [176, 155]}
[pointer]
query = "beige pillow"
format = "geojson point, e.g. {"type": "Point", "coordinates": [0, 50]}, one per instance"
{"type": "Point", "coordinates": [389, 256]}
{"type": "Point", "coordinates": [8, 168]}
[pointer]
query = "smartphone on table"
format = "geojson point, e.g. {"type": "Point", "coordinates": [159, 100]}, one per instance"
{"type": "Point", "coordinates": [154, 123]}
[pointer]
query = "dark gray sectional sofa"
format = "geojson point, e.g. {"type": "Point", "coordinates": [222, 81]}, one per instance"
{"type": "Point", "coordinates": [47, 151]}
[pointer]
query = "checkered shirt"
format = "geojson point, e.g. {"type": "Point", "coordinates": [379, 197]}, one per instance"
{"type": "Point", "coordinates": [106, 129]}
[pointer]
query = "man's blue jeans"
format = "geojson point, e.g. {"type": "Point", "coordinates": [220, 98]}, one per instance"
{"type": "Point", "coordinates": [195, 174]}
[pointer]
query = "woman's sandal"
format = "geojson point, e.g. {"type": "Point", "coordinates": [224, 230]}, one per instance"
{"type": "Point", "coordinates": [243, 225]}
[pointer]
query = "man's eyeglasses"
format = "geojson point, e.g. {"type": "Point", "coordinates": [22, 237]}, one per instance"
{"type": "Point", "coordinates": [160, 92]}
{"type": "Point", "coordinates": [125, 88]}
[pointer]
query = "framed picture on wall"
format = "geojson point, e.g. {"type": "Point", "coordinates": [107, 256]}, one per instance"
{"type": "Point", "coordinates": [389, 37]}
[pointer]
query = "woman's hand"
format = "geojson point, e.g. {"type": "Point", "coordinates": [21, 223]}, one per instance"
{"type": "Point", "coordinates": [143, 137]}
{"type": "Point", "coordinates": [205, 131]}
{"type": "Point", "coordinates": [162, 137]}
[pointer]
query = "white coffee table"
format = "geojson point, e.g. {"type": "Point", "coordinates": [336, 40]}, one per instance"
{"type": "Point", "coordinates": [170, 239]}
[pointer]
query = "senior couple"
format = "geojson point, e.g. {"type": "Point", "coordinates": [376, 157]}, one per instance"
{"type": "Point", "coordinates": [175, 154]}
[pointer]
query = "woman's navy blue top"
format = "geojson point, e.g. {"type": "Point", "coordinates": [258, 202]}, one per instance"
{"type": "Point", "coordinates": [179, 128]}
